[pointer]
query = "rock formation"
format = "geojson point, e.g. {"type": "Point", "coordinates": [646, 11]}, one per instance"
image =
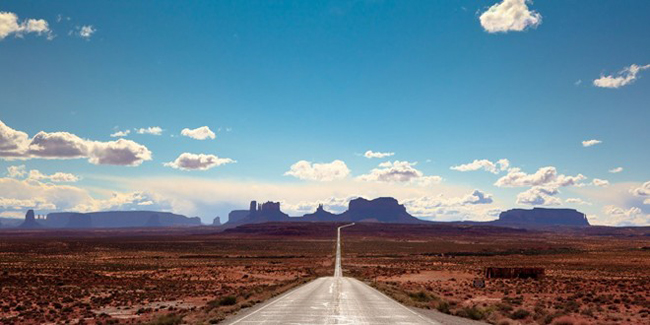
{"type": "Point", "coordinates": [119, 219]}
{"type": "Point", "coordinates": [320, 215]}
{"type": "Point", "coordinates": [216, 221]}
{"type": "Point", "coordinates": [259, 213]}
{"type": "Point", "coordinates": [30, 221]}
{"type": "Point", "coordinates": [540, 217]}
{"type": "Point", "coordinates": [79, 221]}
{"type": "Point", "coordinates": [383, 209]}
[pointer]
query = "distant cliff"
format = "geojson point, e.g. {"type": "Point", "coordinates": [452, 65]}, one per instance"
{"type": "Point", "coordinates": [30, 221]}
{"type": "Point", "coordinates": [539, 217]}
{"type": "Point", "coordinates": [118, 219]}
{"type": "Point", "coordinates": [386, 210]}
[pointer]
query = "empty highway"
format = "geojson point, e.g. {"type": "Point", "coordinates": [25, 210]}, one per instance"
{"type": "Point", "coordinates": [335, 300]}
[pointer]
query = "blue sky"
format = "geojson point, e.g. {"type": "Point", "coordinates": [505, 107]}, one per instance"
{"type": "Point", "coordinates": [437, 83]}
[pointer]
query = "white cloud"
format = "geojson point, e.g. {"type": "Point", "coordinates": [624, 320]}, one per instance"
{"type": "Point", "coordinates": [63, 145]}
{"type": "Point", "coordinates": [545, 176]}
{"type": "Point", "coordinates": [539, 195]}
{"type": "Point", "coordinates": [468, 207]}
{"type": "Point", "coordinates": [16, 171]}
{"type": "Point", "coordinates": [10, 24]}
{"type": "Point", "coordinates": [617, 216]}
{"type": "Point", "coordinates": [577, 201]}
{"type": "Point", "coordinates": [86, 31]}
{"type": "Point", "coordinates": [57, 177]}
{"type": "Point", "coordinates": [510, 15]}
{"type": "Point", "coordinates": [120, 134]}
{"type": "Point", "coordinates": [642, 191]}
{"type": "Point", "coordinates": [600, 182]}
{"type": "Point", "coordinates": [616, 170]}
{"type": "Point", "coordinates": [190, 161]}
{"type": "Point", "coordinates": [589, 143]}
{"type": "Point", "coordinates": [625, 77]}
{"type": "Point", "coordinates": [494, 168]}
{"type": "Point", "coordinates": [371, 154]}
{"type": "Point", "coordinates": [201, 133]}
{"type": "Point", "coordinates": [322, 172]}
{"type": "Point", "coordinates": [399, 172]}
{"type": "Point", "coordinates": [153, 130]}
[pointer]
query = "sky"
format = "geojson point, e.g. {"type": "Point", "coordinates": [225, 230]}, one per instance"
{"type": "Point", "coordinates": [459, 109]}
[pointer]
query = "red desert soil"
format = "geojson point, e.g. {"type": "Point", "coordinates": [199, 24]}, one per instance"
{"type": "Point", "coordinates": [200, 275]}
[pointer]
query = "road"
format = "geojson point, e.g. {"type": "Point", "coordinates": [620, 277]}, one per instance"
{"type": "Point", "coordinates": [334, 300]}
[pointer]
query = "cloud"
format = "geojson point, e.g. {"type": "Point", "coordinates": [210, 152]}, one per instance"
{"type": "Point", "coordinates": [539, 195]}
{"type": "Point", "coordinates": [545, 176]}
{"type": "Point", "coordinates": [494, 168]}
{"type": "Point", "coordinates": [625, 77]}
{"type": "Point", "coordinates": [642, 191]}
{"type": "Point", "coordinates": [371, 154]}
{"type": "Point", "coordinates": [399, 172]}
{"type": "Point", "coordinates": [510, 15]}
{"type": "Point", "coordinates": [616, 170]}
{"type": "Point", "coordinates": [120, 134]}
{"type": "Point", "coordinates": [201, 133]}
{"type": "Point", "coordinates": [589, 143]}
{"type": "Point", "coordinates": [617, 216]}
{"type": "Point", "coordinates": [321, 172]}
{"type": "Point", "coordinates": [577, 201]}
{"type": "Point", "coordinates": [16, 171]}
{"type": "Point", "coordinates": [10, 25]}
{"type": "Point", "coordinates": [153, 130]}
{"type": "Point", "coordinates": [57, 177]}
{"type": "Point", "coordinates": [64, 145]}
{"type": "Point", "coordinates": [600, 182]}
{"type": "Point", "coordinates": [468, 207]}
{"type": "Point", "coordinates": [86, 31]}
{"type": "Point", "coordinates": [190, 161]}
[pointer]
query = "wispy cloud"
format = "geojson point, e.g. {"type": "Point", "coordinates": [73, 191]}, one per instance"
{"type": "Point", "coordinates": [371, 154]}
{"type": "Point", "coordinates": [190, 161]}
{"type": "Point", "coordinates": [153, 130]}
{"type": "Point", "coordinates": [623, 78]}
{"type": "Point", "coordinates": [494, 168]}
{"type": "Point", "coordinates": [591, 143]}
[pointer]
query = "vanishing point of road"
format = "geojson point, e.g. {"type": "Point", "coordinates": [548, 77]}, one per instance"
{"type": "Point", "coordinates": [337, 300]}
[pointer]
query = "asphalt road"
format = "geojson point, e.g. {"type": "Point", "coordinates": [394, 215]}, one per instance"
{"type": "Point", "coordinates": [337, 300]}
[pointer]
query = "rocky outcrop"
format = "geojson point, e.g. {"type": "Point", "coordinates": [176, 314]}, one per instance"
{"type": "Point", "coordinates": [383, 209]}
{"type": "Point", "coordinates": [216, 221]}
{"type": "Point", "coordinates": [119, 219]}
{"type": "Point", "coordinates": [236, 216]}
{"type": "Point", "coordinates": [79, 221]}
{"type": "Point", "coordinates": [540, 217]}
{"type": "Point", "coordinates": [30, 221]}
{"type": "Point", "coordinates": [320, 215]}
{"type": "Point", "coordinates": [260, 213]}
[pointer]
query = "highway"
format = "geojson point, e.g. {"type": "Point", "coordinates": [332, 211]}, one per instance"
{"type": "Point", "coordinates": [334, 300]}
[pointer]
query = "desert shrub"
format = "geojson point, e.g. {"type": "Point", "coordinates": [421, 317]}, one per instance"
{"type": "Point", "coordinates": [471, 313]}
{"type": "Point", "coordinates": [228, 301]}
{"type": "Point", "coordinates": [443, 307]}
{"type": "Point", "coordinates": [168, 319]}
{"type": "Point", "coordinates": [420, 296]}
{"type": "Point", "coordinates": [520, 314]}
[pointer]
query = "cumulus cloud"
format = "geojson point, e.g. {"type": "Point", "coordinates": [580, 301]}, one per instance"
{"type": "Point", "coordinates": [201, 133]}
{"type": "Point", "coordinates": [589, 143]}
{"type": "Point", "coordinates": [64, 145]}
{"type": "Point", "coordinates": [11, 25]}
{"type": "Point", "coordinates": [577, 201]}
{"type": "Point", "coordinates": [35, 174]}
{"type": "Point", "coordinates": [642, 191]}
{"type": "Point", "coordinates": [494, 168]}
{"type": "Point", "coordinates": [468, 207]}
{"type": "Point", "coordinates": [86, 31]}
{"type": "Point", "coordinates": [623, 78]}
{"type": "Point", "coordinates": [16, 171]}
{"type": "Point", "coordinates": [510, 15]}
{"type": "Point", "coordinates": [616, 170]}
{"type": "Point", "coordinates": [617, 216]}
{"type": "Point", "coordinates": [120, 134]}
{"type": "Point", "coordinates": [153, 130]}
{"type": "Point", "coordinates": [539, 195]}
{"type": "Point", "coordinates": [322, 172]}
{"type": "Point", "coordinates": [399, 172]}
{"type": "Point", "coordinates": [190, 161]}
{"type": "Point", "coordinates": [545, 176]}
{"type": "Point", "coordinates": [371, 154]}
{"type": "Point", "coordinates": [600, 182]}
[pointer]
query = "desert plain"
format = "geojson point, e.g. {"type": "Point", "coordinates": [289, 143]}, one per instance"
{"type": "Point", "coordinates": [203, 275]}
